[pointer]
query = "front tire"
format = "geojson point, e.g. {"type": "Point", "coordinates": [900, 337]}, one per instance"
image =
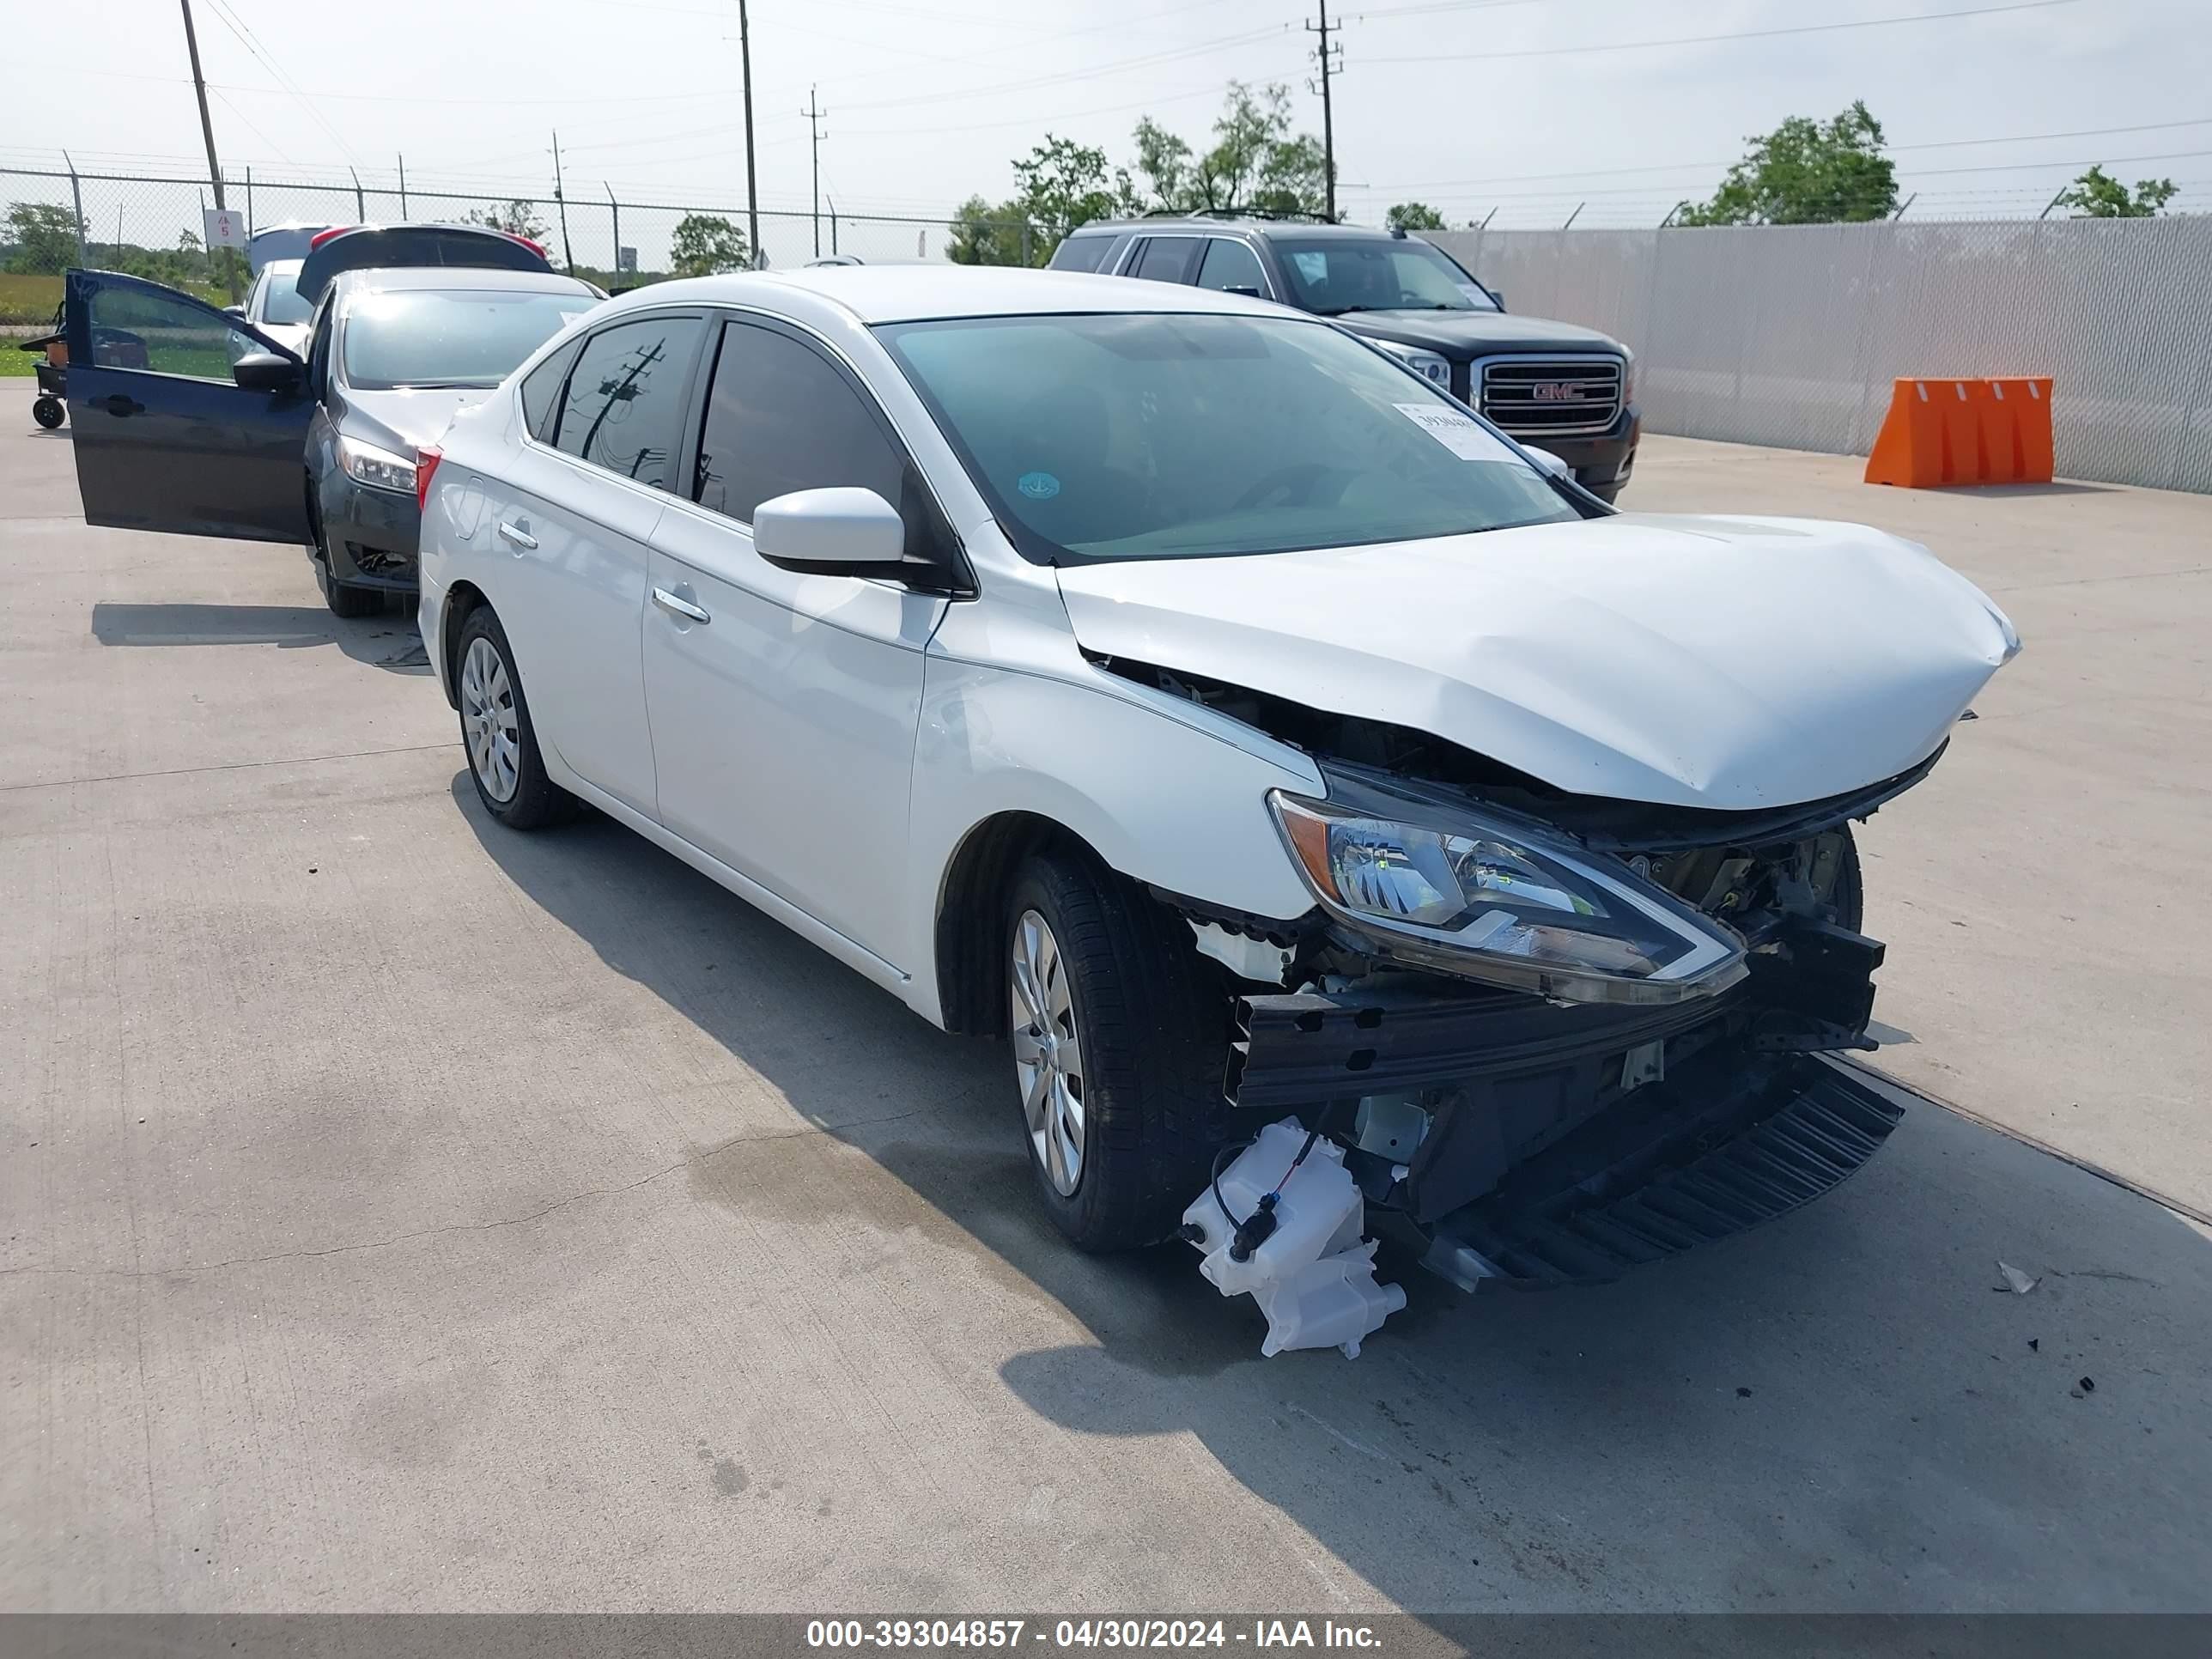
{"type": "Point", "coordinates": [496, 734]}
{"type": "Point", "coordinates": [343, 599]}
{"type": "Point", "coordinates": [1119, 1040]}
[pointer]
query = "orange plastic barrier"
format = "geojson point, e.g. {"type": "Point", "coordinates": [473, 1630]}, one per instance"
{"type": "Point", "coordinates": [1989, 431]}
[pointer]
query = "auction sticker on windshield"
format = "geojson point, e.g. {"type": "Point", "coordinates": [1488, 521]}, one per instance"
{"type": "Point", "coordinates": [1463, 434]}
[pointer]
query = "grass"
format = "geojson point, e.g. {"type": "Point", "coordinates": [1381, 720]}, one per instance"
{"type": "Point", "coordinates": [28, 299]}
{"type": "Point", "coordinates": [32, 299]}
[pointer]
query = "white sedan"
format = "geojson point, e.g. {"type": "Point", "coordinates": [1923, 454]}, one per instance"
{"type": "Point", "coordinates": [1185, 691]}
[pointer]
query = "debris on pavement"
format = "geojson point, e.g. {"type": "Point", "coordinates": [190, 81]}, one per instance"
{"type": "Point", "coordinates": [2018, 1283]}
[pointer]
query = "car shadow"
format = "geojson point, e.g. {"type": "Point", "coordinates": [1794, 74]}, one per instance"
{"type": "Point", "coordinates": [388, 641]}
{"type": "Point", "coordinates": [1844, 1410]}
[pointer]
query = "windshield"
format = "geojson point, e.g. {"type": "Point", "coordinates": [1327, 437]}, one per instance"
{"type": "Point", "coordinates": [279, 301]}
{"type": "Point", "coordinates": [1330, 275]}
{"type": "Point", "coordinates": [449, 337]}
{"type": "Point", "coordinates": [1153, 436]}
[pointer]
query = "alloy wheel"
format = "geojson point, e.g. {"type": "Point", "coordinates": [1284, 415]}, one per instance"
{"type": "Point", "coordinates": [1047, 1052]}
{"type": "Point", "coordinates": [488, 721]}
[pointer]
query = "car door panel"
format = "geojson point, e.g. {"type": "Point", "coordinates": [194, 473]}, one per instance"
{"type": "Point", "coordinates": [164, 438]}
{"type": "Point", "coordinates": [576, 541]}
{"type": "Point", "coordinates": [784, 724]}
{"type": "Point", "coordinates": [575, 520]}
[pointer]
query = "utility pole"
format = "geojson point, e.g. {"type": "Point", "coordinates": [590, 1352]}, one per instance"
{"type": "Point", "coordinates": [402, 187]}
{"type": "Point", "coordinates": [1330, 66]}
{"type": "Point", "coordinates": [752, 187]}
{"type": "Point", "coordinates": [561, 201]}
{"type": "Point", "coordinates": [207, 129]}
{"type": "Point", "coordinates": [813, 112]}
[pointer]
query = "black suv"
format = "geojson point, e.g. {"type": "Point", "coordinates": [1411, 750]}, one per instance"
{"type": "Point", "coordinates": [1569, 390]}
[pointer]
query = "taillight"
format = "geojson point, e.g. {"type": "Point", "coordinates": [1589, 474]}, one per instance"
{"type": "Point", "coordinates": [537, 248]}
{"type": "Point", "coordinates": [426, 464]}
{"type": "Point", "coordinates": [323, 236]}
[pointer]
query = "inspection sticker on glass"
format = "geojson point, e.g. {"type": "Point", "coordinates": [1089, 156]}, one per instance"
{"type": "Point", "coordinates": [1463, 434]}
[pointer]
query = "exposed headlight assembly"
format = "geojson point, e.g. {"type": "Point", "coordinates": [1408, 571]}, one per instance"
{"type": "Point", "coordinates": [379, 468]}
{"type": "Point", "coordinates": [1490, 900]}
{"type": "Point", "coordinates": [1426, 364]}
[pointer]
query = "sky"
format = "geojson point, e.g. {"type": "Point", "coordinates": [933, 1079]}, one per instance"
{"type": "Point", "coordinates": [1524, 108]}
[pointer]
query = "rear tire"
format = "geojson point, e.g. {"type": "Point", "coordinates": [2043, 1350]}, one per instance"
{"type": "Point", "coordinates": [1134, 1030]}
{"type": "Point", "coordinates": [48, 412]}
{"type": "Point", "coordinates": [496, 733]}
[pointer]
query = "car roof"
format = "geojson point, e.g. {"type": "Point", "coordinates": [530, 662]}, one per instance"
{"type": "Point", "coordinates": [909, 294]}
{"type": "Point", "coordinates": [455, 279]}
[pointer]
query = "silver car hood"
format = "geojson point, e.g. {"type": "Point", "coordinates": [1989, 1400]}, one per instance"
{"type": "Point", "coordinates": [1715, 662]}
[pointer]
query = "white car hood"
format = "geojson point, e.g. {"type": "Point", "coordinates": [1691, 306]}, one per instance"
{"type": "Point", "coordinates": [1715, 662]}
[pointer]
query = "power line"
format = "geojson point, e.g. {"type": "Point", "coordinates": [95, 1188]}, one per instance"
{"type": "Point", "coordinates": [1734, 34]}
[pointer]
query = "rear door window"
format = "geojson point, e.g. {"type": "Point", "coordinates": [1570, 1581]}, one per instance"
{"type": "Point", "coordinates": [624, 409]}
{"type": "Point", "coordinates": [1167, 259]}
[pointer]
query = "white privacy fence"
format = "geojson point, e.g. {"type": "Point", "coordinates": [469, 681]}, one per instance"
{"type": "Point", "coordinates": [1791, 334]}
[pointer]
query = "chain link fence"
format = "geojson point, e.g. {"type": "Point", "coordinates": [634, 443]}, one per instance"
{"type": "Point", "coordinates": [151, 226]}
{"type": "Point", "coordinates": [1791, 336]}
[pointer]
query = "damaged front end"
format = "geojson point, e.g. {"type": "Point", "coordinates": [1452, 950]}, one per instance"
{"type": "Point", "coordinates": [1555, 1037]}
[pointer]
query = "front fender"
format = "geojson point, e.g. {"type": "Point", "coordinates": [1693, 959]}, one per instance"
{"type": "Point", "coordinates": [1159, 796]}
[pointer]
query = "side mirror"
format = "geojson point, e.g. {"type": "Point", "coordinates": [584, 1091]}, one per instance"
{"type": "Point", "coordinates": [265, 371]}
{"type": "Point", "coordinates": [1497, 297]}
{"type": "Point", "coordinates": [238, 312]}
{"type": "Point", "coordinates": [844, 531]}
{"type": "Point", "coordinates": [1551, 463]}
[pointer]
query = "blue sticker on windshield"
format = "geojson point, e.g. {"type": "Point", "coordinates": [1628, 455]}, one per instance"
{"type": "Point", "coordinates": [1038, 486]}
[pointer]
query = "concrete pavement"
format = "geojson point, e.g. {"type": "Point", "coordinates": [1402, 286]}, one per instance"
{"type": "Point", "coordinates": [404, 1214]}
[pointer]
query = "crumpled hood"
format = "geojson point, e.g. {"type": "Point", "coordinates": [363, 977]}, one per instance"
{"type": "Point", "coordinates": [1717, 662]}
{"type": "Point", "coordinates": [408, 418]}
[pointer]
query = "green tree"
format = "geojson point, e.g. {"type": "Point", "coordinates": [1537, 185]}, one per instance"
{"type": "Point", "coordinates": [705, 244]}
{"type": "Point", "coordinates": [45, 238]}
{"type": "Point", "coordinates": [1806, 173]}
{"type": "Point", "coordinates": [985, 235]}
{"type": "Point", "coordinates": [2097, 195]}
{"type": "Point", "coordinates": [517, 218]}
{"type": "Point", "coordinates": [1059, 186]}
{"type": "Point", "coordinates": [1414, 216]}
{"type": "Point", "coordinates": [1255, 162]}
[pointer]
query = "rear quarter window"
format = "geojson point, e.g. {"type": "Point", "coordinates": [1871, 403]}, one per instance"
{"type": "Point", "coordinates": [1081, 253]}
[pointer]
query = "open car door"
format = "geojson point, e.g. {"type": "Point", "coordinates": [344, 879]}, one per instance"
{"type": "Point", "coordinates": [167, 438]}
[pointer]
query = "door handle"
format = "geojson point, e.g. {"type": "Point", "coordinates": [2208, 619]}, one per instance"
{"type": "Point", "coordinates": [683, 608]}
{"type": "Point", "coordinates": [117, 404]}
{"type": "Point", "coordinates": [514, 533]}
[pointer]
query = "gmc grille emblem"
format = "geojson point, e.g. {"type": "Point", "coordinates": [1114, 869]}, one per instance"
{"type": "Point", "coordinates": [1558, 391]}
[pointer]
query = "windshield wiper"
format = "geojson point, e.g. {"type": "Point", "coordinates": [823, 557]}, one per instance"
{"type": "Point", "coordinates": [1345, 311]}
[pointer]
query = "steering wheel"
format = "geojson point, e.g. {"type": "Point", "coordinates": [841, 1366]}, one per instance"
{"type": "Point", "coordinates": [1294, 486]}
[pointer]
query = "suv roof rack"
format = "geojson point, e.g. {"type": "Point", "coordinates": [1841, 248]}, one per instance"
{"type": "Point", "coordinates": [1290, 215]}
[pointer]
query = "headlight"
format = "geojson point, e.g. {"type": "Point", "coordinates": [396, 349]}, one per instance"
{"type": "Point", "coordinates": [1426, 364]}
{"type": "Point", "coordinates": [1489, 900]}
{"type": "Point", "coordinates": [1627, 375]}
{"type": "Point", "coordinates": [367, 464]}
